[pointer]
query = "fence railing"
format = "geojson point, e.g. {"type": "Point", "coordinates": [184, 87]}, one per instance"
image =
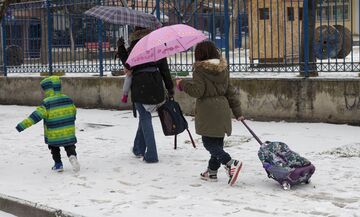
{"type": "Point", "coordinates": [254, 35]}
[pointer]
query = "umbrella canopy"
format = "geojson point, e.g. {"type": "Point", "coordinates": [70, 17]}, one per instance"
{"type": "Point", "coordinates": [124, 16]}
{"type": "Point", "coordinates": [164, 42]}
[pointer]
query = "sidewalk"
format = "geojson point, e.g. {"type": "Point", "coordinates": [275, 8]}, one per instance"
{"type": "Point", "coordinates": [22, 208]}
{"type": "Point", "coordinates": [113, 183]}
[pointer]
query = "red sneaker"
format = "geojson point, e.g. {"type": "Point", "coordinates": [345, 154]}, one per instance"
{"type": "Point", "coordinates": [233, 171]}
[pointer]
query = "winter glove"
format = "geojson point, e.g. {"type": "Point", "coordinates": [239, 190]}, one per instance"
{"type": "Point", "coordinates": [124, 98]}
{"type": "Point", "coordinates": [178, 85]}
{"type": "Point", "coordinates": [241, 118]}
{"type": "Point", "coordinates": [19, 128]}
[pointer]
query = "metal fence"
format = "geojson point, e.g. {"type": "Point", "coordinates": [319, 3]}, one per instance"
{"type": "Point", "coordinates": [254, 35]}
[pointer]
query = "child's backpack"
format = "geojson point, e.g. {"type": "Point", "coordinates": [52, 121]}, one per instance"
{"type": "Point", "coordinates": [282, 164]}
{"type": "Point", "coordinates": [172, 120]}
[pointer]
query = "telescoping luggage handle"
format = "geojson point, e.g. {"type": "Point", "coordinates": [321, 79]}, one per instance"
{"type": "Point", "coordinates": [252, 132]}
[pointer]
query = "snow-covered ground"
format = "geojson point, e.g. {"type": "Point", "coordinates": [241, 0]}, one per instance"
{"type": "Point", "coordinates": [113, 183]}
{"type": "Point", "coordinates": [4, 214]}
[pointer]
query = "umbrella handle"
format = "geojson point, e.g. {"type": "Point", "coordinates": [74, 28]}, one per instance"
{"type": "Point", "coordinates": [252, 132]}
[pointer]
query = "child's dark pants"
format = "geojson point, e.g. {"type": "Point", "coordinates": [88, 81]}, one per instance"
{"type": "Point", "coordinates": [216, 148]}
{"type": "Point", "coordinates": [55, 151]}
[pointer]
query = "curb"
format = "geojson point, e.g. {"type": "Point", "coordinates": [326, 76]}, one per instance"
{"type": "Point", "coordinates": [24, 208]}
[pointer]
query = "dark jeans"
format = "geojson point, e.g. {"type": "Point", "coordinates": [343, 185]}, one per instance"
{"type": "Point", "coordinates": [216, 148]}
{"type": "Point", "coordinates": [144, 143]}
{"type": "Point", "coordinates": [55, 151]}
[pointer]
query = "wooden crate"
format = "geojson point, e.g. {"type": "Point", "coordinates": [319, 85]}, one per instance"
{"type": "Point", "coordinates": [273, 35]}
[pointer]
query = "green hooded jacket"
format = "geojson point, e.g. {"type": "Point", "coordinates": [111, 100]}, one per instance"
{"type": "Point", "coordinates": [215, 97]}
{"type": "Point", "coordinates": [58, 112]}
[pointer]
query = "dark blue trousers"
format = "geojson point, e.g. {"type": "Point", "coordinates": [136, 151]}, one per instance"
{"type": "Point", "coordinates": [216, 148]}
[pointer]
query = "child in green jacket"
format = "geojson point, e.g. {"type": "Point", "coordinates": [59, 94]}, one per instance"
{"type": "Point", "coordinates": [216, 101]}
{"type": "Point", "coordinates": [59, 113]}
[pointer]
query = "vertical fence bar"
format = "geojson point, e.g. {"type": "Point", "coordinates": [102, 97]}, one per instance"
{"type": "Point", "coordinates": [359, 36]}
{"type": "Point", "coordinates": [285, 34]}
{"type": "Point", "coordinates": [264, 33]}
{"type": "Point", "coordinates": [100, 45]}
{"type": "Point", "coordinates": [305, 34]}
{"type": "Point", "coordinates": [227, 25]}
{"type": "Point", "coordinates": [158, 9]}
{"type": "Point", "coordinates": [352, 36]}
{"type": "Point", "coordinates": [49, 32]}
{"type": "Point", "coordinates": [312, 24]}
{"type": "Point", "coordinates": [246, 35]}
{"type": "Point", "coordinates": [3, 30]}
{"type": "Point", "coordinates": [271, 36]}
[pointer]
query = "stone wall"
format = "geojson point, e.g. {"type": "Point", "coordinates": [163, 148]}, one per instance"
{"type": "Point", "coordinates": [291, 99]}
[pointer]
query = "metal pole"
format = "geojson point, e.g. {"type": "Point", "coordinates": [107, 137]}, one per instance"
{"type": "Point", "coordinates": [49, 28]}
{"type": "Point", "coordinates": [305, 39]}
{"type": "Point", "coordinates": [308, 59]}
{"type": "Point", "coordinates": [100, 43]}
{"type": "Point", "coordinates": [158, 9]}
{"type": "Point", "coordinates": [227, 29]}
{"type": "Point", "coordinates": [4, 45]}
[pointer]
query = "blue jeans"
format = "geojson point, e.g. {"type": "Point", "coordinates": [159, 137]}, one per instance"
{"type": "Point", "coordinates": [216, 148]}
{"type": "Point", "coordinates": [144, 143]}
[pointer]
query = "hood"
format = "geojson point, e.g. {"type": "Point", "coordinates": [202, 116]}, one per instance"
{"type": "Point", "coordinates": [137, 35]}
{"type": "Point", "coordinates": [214, 69]}
{"type": "Point", "coordinates": [51, 85]}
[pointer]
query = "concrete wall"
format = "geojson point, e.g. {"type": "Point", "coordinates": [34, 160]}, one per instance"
{"type": "Point", "coordinates": [87, 92]}
{"type": "Point", "coordinates": [293, 99]}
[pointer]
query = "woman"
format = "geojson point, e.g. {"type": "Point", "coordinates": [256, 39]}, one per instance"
{"type": "Point", "coordinates": [147, 93]}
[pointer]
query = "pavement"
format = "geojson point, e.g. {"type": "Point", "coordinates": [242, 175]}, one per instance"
{"type": "Point", "coordinates": [23, 208]}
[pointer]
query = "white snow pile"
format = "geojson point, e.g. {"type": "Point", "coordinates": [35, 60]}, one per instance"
{"type": "Point", "coordinates": [351, 150]}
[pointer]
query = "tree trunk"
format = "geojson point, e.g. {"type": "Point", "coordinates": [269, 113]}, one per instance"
{"type": "Point", "coordinates": [71, 33]}
{"type": "Point", "coordinates": [72, 41]}
{"type": "Point", "coordinates": [232, 28]}
{"type": "Point", "coordinates": [44, 37]}
{"type": "Point", "coordinates": [311, 7]}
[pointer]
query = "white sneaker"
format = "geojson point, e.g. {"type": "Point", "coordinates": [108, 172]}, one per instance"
{"type": "Point", "coordinates": [208, 177]}
{"type": "Point", "coordinates": [74, 163]}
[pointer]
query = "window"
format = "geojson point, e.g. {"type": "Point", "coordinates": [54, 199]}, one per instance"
{"type": "Point", "coordinates": [333, 10]}
{"type": "Point", "coordinates": [264, 13]}
{"type": "Point", "coordinates": [323, 13]}
{"type": "Point", "coordinates": [341, 12]}
{"type": "Point", "coordinates": [300, 14]}
{"type": "Point", "coordinates": [290, 14]}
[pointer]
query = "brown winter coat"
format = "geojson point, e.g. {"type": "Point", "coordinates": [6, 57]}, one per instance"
{"type": "Point", "coordinates": [215, 98]}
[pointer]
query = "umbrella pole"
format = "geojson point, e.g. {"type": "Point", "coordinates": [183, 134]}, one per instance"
{"type": "Point", "coordinates": [252, 132]}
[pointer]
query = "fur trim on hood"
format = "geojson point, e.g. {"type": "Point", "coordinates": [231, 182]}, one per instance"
{"type": "Point", "coordinates": [137, 35]}
{"type": "Point", "coordinates": [214, 69]}
{"type": "Point", "coordinates": [217, 65]}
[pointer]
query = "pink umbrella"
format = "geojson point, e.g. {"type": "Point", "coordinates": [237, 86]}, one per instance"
{"type": "Point", "coordinates": [164, 42]}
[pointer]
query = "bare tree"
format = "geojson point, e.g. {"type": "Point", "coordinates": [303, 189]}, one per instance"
{"type": "Point", "coordinates": [185, 10]}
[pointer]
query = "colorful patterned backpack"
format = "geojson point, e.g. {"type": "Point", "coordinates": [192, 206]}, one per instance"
{"type": "Point", "coordinates": [282, 164]}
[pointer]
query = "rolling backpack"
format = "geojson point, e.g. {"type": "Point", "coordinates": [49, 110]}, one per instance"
{"type": "Point", "coordinates": [282, 164]}
{"type": "Point", "coordinates": [172, 120]}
